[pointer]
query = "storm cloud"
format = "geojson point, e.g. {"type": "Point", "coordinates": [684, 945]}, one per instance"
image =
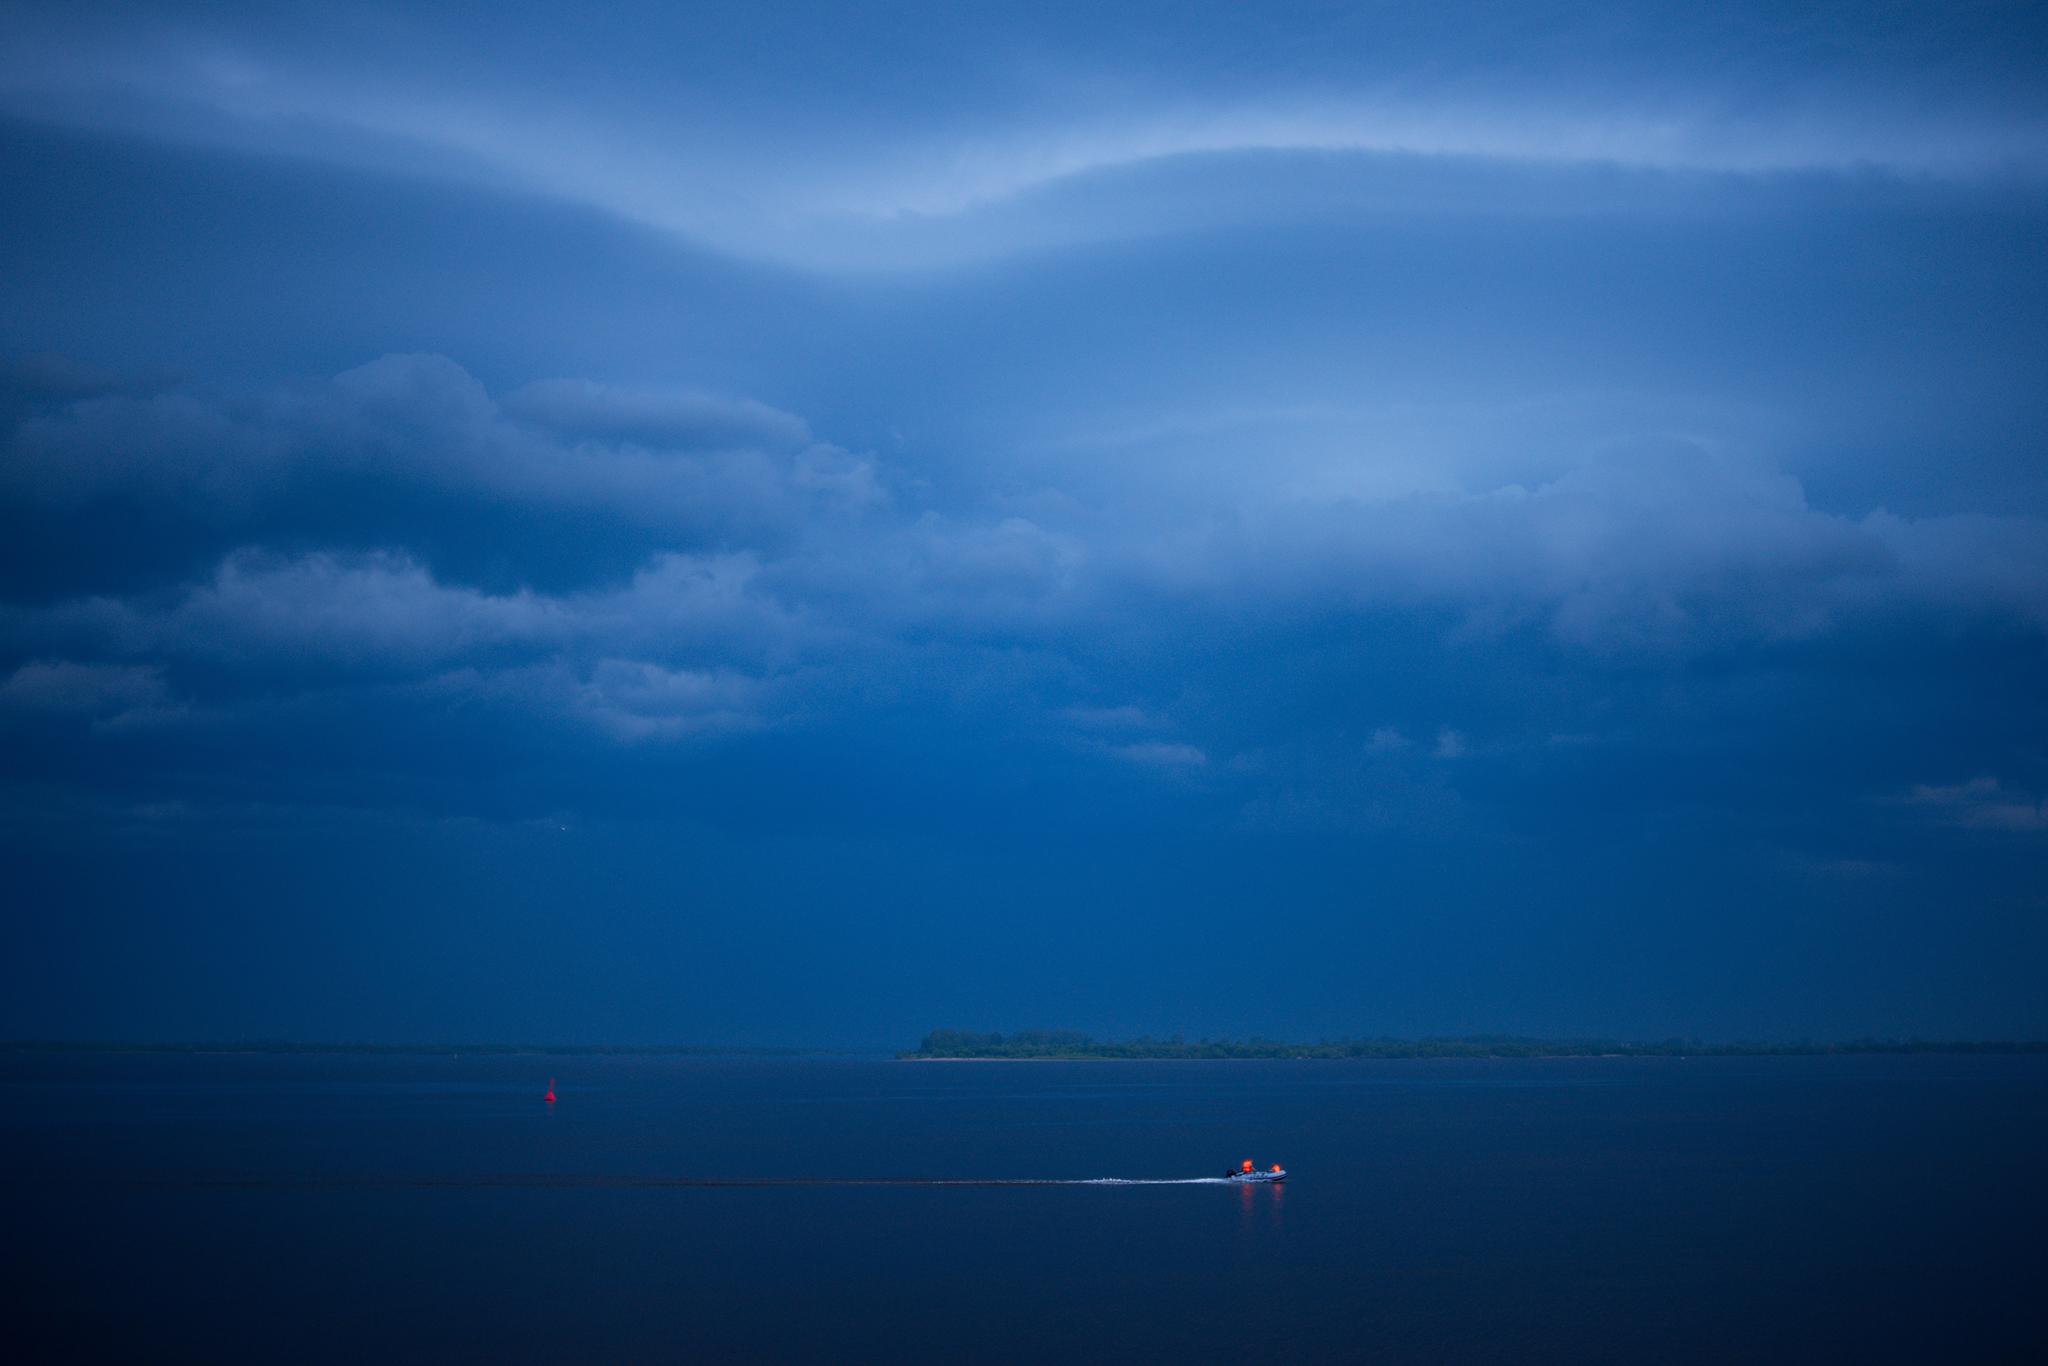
{"type": "Point", "coordinates": [1532, 509]}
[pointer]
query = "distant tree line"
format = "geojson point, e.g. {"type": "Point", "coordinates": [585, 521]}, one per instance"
{"type": "Point", "coordinates": [1062, 1043]}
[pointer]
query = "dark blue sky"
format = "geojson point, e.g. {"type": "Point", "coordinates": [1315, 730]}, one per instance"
{"type": "Point", "coordinates": [800, 523]}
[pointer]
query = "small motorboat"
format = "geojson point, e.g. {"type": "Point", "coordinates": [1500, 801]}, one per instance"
{"type": "Point", "coordinates": [1247, 1173]}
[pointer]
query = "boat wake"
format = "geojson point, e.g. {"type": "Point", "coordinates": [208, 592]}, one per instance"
{"type": "Point", "coordinates": [596, 1181]}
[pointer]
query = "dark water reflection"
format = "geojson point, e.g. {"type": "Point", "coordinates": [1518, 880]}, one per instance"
{"type": "Point", "coordinates": [355, 1208]}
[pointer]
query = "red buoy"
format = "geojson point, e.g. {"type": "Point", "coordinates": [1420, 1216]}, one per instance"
{"type": "Point", "coordinates": [550, 1096]}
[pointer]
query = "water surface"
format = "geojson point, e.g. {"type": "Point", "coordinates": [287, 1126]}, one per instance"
{"type": "Point", "coordinates": [351, 1207]}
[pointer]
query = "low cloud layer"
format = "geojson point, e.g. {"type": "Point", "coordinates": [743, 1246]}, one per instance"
{"type": "Point", "coordinates": [752, 576]}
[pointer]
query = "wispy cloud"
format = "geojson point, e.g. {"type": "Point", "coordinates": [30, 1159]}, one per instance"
{"type": "Point", "coordinates": [63, 686]}
{"type": "Point", "coordinates": [1981, 803]}
{"type": "Point", "coordinates": [1163, 754]}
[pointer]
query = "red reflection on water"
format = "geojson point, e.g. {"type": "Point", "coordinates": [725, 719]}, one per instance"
{"type": "Point", "coordinates": [1269, 1197]}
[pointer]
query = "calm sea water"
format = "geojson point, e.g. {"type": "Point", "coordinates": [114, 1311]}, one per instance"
{"type": "Point", "coordinates": [428, 1208]}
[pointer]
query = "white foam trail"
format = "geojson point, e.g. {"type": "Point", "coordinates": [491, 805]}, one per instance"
{"type": "Point", "coordinates": [571, 1180]}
